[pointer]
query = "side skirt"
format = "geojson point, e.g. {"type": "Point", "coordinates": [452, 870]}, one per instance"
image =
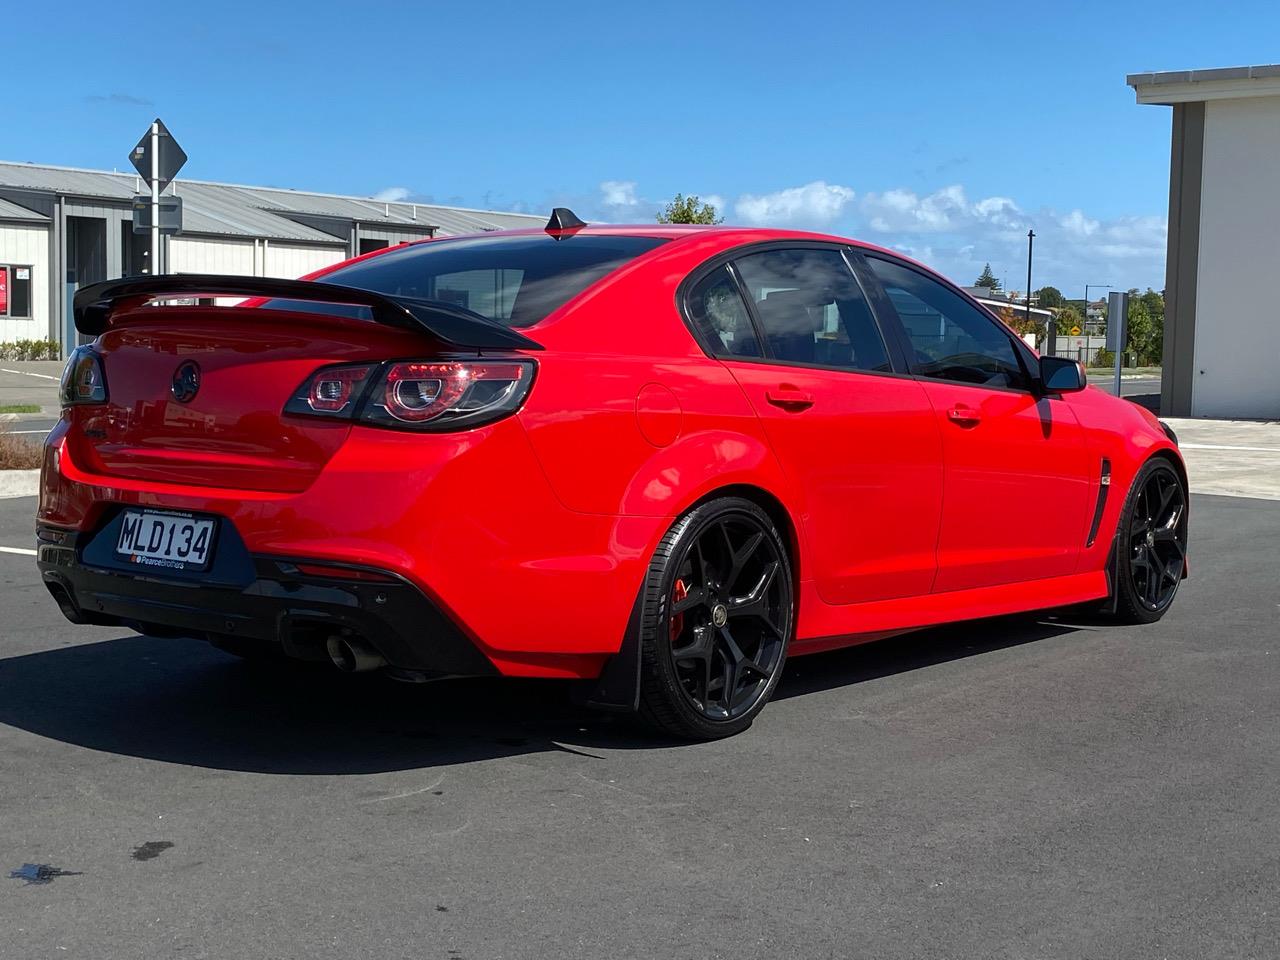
{"type": "Point", "coordinates": [826, 627]}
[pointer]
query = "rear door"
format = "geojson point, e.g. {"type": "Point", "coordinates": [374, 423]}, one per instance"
{"type": "Point", "coordinates": [1017, 477]}
{"type": "Point", "coordinates": [854, 433]}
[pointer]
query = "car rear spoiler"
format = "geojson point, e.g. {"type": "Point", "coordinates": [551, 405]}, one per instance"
{"type": "Point", "coordinates": [456, 326]}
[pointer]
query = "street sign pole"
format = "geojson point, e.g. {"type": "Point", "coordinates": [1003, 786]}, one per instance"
{"type": "Point", "coordinates": [1050, 333]}
{"type": "Point", "coordinates": [155, 198]}
{"type": "Point", "coordinates": [157, 158]}
{"type": "Point", "coordinates": [1117, 317]}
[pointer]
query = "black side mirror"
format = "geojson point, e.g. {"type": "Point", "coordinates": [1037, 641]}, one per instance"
{"type": "Point", "coordinates": [1060, 375]}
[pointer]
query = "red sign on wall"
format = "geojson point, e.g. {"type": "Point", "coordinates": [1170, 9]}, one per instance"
{"type": "Point", "coordinates": [4, 289]}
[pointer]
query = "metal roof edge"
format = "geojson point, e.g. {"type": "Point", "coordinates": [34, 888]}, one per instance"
{"type": "Point", "coordinates": [259, 187]}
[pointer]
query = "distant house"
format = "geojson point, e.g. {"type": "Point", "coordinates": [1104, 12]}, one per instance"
{"type": "Point", "coordinates": [1000, 301]}
{"type": "Point", "coordinates": [61, 228]}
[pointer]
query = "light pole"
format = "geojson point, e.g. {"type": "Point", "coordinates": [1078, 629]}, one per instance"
{"type": "Point", "coordinates": [1049, 333]}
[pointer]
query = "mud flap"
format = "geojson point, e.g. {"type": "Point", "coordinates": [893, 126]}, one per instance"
{"type": "Point", "coordinates": [618, 687]}
{"type": "Point", "coordinates": [1111, 604]}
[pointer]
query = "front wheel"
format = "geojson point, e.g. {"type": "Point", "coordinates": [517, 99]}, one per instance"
{"type": "Point", "coordinates": [718, 615]}
{"type": "Point", "coordinates": [1151, 544]}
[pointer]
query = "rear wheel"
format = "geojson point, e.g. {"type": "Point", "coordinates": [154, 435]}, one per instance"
{"type": "Point", "coordinates": [718, 615]}
{"type": "Point", "coordinates": [1151, 545]}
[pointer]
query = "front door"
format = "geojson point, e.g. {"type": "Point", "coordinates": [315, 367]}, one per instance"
{"type": "Point", "coordinates": [1017, 477]}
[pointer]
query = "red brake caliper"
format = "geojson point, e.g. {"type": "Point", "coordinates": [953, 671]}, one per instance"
{"type": "Point", "coordinates": [677, 622]}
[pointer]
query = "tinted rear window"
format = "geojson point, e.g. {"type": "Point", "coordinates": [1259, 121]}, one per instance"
{"type": "Point", "coordinates": [513, 280]}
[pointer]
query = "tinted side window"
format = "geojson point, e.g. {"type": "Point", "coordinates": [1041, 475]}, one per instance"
{"type": "Point", "coordinates": [717, 310]}
{"type": "Point", "coordinates": [811, 309]}
{"type": "Point", "coordinates": [951, 339]}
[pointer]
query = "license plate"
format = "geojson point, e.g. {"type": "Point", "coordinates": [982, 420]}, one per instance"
{"type": "Point", "coordinates": [172, 541]}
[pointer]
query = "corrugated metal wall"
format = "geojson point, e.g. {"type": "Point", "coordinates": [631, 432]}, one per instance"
{"type": "Point", "coordinates": [249, 258]}
{"type": "Point", "coordinates": [195, 255]}
{"type": "Point", "coordinates": [287, 261]}
{"type": "Point", "coordinates": [27, 245]}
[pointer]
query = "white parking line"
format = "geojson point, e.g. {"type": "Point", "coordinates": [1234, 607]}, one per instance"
{"type": "Point", "coordinates": [20, 551]}
{"type": "Point", "coordinates": [28, 373]}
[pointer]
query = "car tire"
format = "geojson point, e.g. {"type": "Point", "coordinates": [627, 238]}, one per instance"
{"type": "Point", "coordinates": [717, 617]}
{"type": "Point", "coordinates": [1151, 544]}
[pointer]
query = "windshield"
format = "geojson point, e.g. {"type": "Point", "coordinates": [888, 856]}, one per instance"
{"type": "Point", "coordinates": [515, 281]}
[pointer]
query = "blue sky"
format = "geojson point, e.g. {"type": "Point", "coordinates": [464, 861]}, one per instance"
{"type": "Point", "coordinates": [943, 129]}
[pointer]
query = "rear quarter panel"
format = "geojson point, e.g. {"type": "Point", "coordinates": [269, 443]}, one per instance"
{"type": "Point", "coordinates": [629, 416]}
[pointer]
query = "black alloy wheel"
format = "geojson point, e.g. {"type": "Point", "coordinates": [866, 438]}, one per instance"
{"type": "Point", "coordinates": [718, 619]}
{"type": "Point", "coordinates": [1151, 551]}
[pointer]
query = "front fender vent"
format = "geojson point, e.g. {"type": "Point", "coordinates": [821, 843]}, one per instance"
{"type": "Point", "coordinates": [1104, 485]}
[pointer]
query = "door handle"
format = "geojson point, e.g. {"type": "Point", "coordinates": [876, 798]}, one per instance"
{"type": "Point", "coordinates": [964, 416]}
{"type": "Point", "coordinates": [789, 398]}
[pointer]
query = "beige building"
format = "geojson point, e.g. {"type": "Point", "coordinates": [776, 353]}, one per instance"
{"type": "Point", "coordinates": [1222, 302]}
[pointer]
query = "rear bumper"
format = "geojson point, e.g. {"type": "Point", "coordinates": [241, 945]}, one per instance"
{"type": "Point", "coordinates": [262, 598]}
{"type": "Point", "coordinates": [466, 520]}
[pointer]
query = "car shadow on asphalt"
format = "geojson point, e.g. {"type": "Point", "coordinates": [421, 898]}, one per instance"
{"type": "Point", "coordinates": [181, 701]}
{"type": "Point", "coordinates": [913, 651]}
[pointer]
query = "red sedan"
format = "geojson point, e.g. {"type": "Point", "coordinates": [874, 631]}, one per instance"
{"type": "Point", "coordinates": [655, 459]}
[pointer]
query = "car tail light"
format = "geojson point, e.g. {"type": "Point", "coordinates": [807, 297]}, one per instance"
{"type": "Point", "coordinates": [331, 391]}
{"type": "Point", "coordinates": [424, 395]}
{"type": "Point", "coordinates": [83, 381]}
{"type": "Point", "coordinates": [448, 395]}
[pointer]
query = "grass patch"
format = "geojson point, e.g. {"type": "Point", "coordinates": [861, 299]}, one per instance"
{"type": "Point", "coordinates": [19, 408]}
{"type": "Point", "coordinates": [18, 453]}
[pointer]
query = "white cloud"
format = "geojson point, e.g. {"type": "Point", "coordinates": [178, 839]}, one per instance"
{"type": "Point", "coordinates": [619, 193]}
{"type": "Point", "coordinates": [946, 229]}
{"type": "Point", "coordinates": [944, 211]}
{"type": "Point", "coordinates": [813, 205]}
{"type": "Point", "coordinates": [965, 235]}
{"type": "Point", "coordinates": [715, 200]}
{"type": "Point", "coordinates": [1134, 237]}
{"type": "Point", "coordinates": [620, 201]}
{"type": "Point", "coordinates": [392, 194]}
{"type": "Point", "coordinates": [1078, 224]}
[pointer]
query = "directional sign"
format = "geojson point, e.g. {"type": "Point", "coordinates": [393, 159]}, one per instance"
{"type": "Point", "coordinates": [171, 156]}
{"type": "Point", "coordinates": [1117, 314]}
{"type": "Point", "coordinates": [170, 214]}
{"type": "Point", "coordinates": [1075, 331]}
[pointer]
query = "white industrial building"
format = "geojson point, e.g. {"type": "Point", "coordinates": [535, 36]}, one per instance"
{"type": "Point", "coordinates": [1222, 323]}
{"type": "Point", "coordinates": [61, 228]}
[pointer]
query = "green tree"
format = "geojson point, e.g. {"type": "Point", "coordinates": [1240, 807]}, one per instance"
{"type": "Point", "coordinates": [1051, 298]}
{"type": "Point", "coordinates": [1144, 338]}
{"type": "Point", "coordinates": [988, 279]}
{"type": "Point", "coordinates": [689, 210]}
{"type": "Point", "coordinates": [1067, 320]}
{"type": "Point", "coordinates": [1016, 320]}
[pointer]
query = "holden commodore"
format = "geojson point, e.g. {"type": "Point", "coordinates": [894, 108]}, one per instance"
{"type": "Point", "coordinates": [658, 460]}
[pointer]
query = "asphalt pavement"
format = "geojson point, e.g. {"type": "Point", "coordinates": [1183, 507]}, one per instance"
{"type": "Point", "coordinates": [1020, 788]}
{"type": "Point", "coordinates": [1129, 386]}
{"type": "Point", "coordinates": [33, 382]}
